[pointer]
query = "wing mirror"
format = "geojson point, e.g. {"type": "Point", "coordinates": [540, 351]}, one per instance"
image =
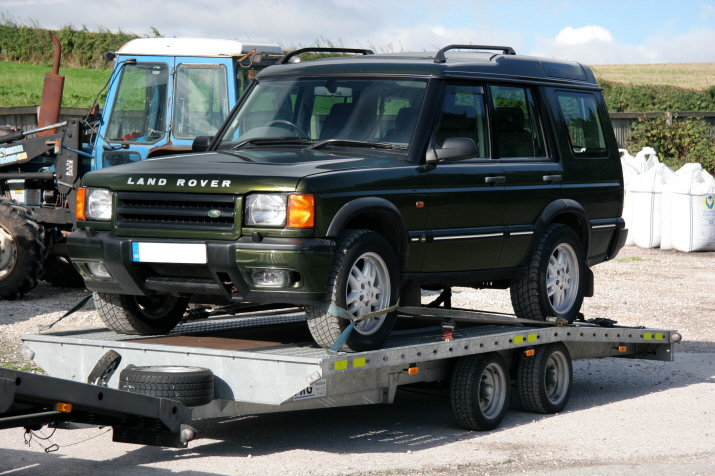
{"type": "Point", "coordinates": [454, 148]}
{"type": "Point", "coordinates": [201, 143]}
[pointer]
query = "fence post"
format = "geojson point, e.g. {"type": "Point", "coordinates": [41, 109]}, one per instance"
{"type": "Point", "coordinates": [669, 118]}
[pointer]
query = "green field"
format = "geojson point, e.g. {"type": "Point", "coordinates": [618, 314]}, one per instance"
{"type": "Point", "coordinates": [21, 84]}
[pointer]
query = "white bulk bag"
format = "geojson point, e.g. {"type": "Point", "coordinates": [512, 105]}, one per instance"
{"type": "Point", "coordinates": [648, 157]}
{"type": "Point", "coordinates": [644, 195]}
{"type": "Point", "coordinates": [628, 173]}
{"type": "Point", "coordinates": [665, 206]}
{"type": "Point", "coordinates": [692, 205]}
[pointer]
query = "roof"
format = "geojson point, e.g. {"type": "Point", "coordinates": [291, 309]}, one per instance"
{"type": "Point", "coordinates": [195, 47]}
{"type": "Point", "coordinates": [458, 64]}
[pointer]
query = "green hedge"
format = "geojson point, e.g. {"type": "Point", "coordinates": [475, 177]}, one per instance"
{"type": "Point", "coordinates": [683, 141]}
{"type": "Point", "coordinates": [622, 97]}
{"type": "Point", "coordinates": [81, 48]}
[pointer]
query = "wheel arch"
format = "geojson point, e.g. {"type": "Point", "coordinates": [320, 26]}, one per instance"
{"type": "Point", "coordinates": [567, 212]}
{"type": "Point", "coordinates": [375, 214]}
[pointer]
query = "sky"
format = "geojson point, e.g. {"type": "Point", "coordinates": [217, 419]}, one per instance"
{"type": "Point", "coordinates": [592, 32]}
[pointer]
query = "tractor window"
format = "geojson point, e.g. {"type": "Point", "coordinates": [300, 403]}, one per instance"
{"type": "Point", "coordinates": [201, 101]}
{"type": "Point", "coordinates": [139, 109]}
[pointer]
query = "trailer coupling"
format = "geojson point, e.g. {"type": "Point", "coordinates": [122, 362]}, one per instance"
{"type": "Point", "coordinates": [30, 401]}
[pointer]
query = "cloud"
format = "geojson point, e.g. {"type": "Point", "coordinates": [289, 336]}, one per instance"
{"type": "Point", "coordinates": [579, 36]}
{"type": "Point", "coordinates": [597, 45]}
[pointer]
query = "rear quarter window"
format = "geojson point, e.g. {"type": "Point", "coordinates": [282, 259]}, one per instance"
{"type": "Point", "coordinates": [583, 123]}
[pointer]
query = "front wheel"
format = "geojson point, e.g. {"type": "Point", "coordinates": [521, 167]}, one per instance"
{"type": "Point", "coordinates": [140, 315]}
{"type": "Point", "coordinates": [555, 280]}
{"type": "Point", "coordinates": [363, 279]}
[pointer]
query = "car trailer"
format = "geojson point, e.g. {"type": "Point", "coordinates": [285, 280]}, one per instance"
{"type": "Point", "coordinates": [266, 361]}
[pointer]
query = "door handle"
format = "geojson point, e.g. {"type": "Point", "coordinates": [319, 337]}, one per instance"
{"type": "Point", "coordinates": [552, 178]}
{"type": "Point", "coordinates": [497, 179]}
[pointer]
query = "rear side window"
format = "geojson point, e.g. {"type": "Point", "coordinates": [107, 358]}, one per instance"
{"type": "Point", "coordinates": [583, 123]}
{"type": "Point", "coordinates": [517, 123]}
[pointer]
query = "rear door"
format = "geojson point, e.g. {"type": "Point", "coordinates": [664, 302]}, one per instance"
{"type": "Point", "coordinates": [532, 170]}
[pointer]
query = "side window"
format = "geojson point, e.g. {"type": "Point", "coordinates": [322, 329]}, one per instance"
{"type": "Point", "coordinates": [518, 131]}
{"type": "Point", "coordinates": [463, 115]}
{"type": "Point", "coordinates": [583, 123]}
{"type": "Point", "coordinates": [201, 100]}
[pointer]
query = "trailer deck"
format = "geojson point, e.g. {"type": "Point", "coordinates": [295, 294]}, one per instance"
{"type": "Point", "coordinates": [266, 361]}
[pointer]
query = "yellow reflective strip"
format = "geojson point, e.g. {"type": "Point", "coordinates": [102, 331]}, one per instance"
{"type": "Point", "coordinates": [648, 336]}
{"type": "Point", "coordinates": [531, 338]}
{"type": "Point", "coordinates": [359, 362]}
{"type": "Point", "coordinates": [341, 365]}
{"type": "Point", "coordinates": [659, 336]}
{"type": "Point", "coordinates": [518, 339]}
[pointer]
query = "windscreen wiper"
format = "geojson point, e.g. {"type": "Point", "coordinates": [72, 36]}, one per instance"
{"type": "Point", "coordinates": [355, 143]}
{"type": "Point", "coordinates": [271, 141]}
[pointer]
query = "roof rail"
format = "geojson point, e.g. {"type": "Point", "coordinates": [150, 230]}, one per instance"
{"type": "Point", "coordinates": [317, 49]}
{"type": "Point", "coordinates": [441, 58]}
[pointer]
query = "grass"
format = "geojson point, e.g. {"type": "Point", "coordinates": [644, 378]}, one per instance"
{"type": "Point", "coordinates": [21, 84]}
{"type": "Point", "coordinates": [630, 259]}
{"type": "Point", "coordinates": [699, 76]}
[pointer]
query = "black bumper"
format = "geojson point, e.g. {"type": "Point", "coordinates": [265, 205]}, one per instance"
{"type": "Point", "coordinates": [224, 273]}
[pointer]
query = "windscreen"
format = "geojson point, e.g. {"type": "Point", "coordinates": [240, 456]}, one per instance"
{"type": "Point", "coordinates": [201, 100]}
{"type": "Point", "coordinates": [139, 111]}
{"type": "Point", "coordinates": [377, 110]}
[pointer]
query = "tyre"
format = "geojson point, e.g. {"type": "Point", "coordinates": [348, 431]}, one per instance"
{"type": "Point", "coordinates": [59, 272]}
{"type": "Point", "coordinates": [22, 250]}
{"type": "Point", "coordinates": [140, 315]}
{"type": "Point", "coordinates": [364, 278]}
{"type": "Point", "coordinates": [480, 391]}
{"type": "Point", "coordinates": [555, 280]}
{"type": "Point", "coordinates": [544, 380]}
{"type": "Point", "coordinates": [191, 386]}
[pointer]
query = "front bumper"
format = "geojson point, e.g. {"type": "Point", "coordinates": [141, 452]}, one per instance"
{"type": "Point", "coordinates": [226, 274]}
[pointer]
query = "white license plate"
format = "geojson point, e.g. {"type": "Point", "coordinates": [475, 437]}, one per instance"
{"type": "Point", "coordinates": [191, 253]}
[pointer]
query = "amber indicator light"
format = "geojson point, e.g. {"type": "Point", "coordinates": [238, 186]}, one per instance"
{"type": "Point", "coordinates": [301, 210]}
{"type": "Point", "coordinates": [79, 207]}
{"type": "Point", "coordinates": [530, 353]}
{"type": "Point", "coordinates": [63, 407]}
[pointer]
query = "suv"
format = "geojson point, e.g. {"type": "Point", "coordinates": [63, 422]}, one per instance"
{"type": "Point", "coordinates": [349, 183]}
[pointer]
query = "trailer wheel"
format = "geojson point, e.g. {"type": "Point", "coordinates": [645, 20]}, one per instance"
{"type": "Point", "coordinates": [555, 279]}
{"type": "Point", "coordinates": [140, 315]}
{"type": "Point", "coordinates": [480, 391]}
{"type": "Point", "coordinates": [192, 386]}
{"type": "Point", "coordinates": [363, 279]}
{"type": "Point", "coordinates": [22, 250]}
{"type": "Point", "coordinates": [544, 380]}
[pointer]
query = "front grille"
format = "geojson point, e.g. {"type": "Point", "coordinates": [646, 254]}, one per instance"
{"type": "Point", "coordinates": [174, 270]}
{"type": "Point", "coordinates": [176, 211]}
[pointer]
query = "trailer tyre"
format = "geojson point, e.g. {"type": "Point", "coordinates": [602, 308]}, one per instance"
{"type": "Point", "coordinates": [480, 391]}
{"type": "Point", "coordinates": [364, 278]}
{"type": "Point", "coordinates": [544, 381]}
{"type": "Point", "coordinates": [192, 386]}
{"type": "Point", "coordinates": [140, 315]}
{"type": "Point", "coordinates": [22, 250]}
{"type": "Point", "coordinates": [554, 284]}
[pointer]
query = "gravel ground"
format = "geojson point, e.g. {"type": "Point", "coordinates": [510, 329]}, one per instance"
{"type": "Point", "coordinates": [625, 417]}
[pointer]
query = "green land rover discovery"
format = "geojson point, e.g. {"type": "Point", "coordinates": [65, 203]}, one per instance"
{"type": "Point", "coordinates": [353, 182]}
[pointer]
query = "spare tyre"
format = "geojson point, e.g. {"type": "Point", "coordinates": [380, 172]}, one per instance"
{"type": "Point", "coordinates": [192, 386]}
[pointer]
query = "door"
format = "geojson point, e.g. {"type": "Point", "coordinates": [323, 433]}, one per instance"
{"type": "Point", "coordinates": [465, 197]}
{"type": "Point", "coordinates": [533, 177]}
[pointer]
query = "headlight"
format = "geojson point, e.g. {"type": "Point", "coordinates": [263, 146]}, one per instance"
{"type": "Point", "coordinates": [99, 204]}
{"type": "Point", "coordinates": [266, 209]}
